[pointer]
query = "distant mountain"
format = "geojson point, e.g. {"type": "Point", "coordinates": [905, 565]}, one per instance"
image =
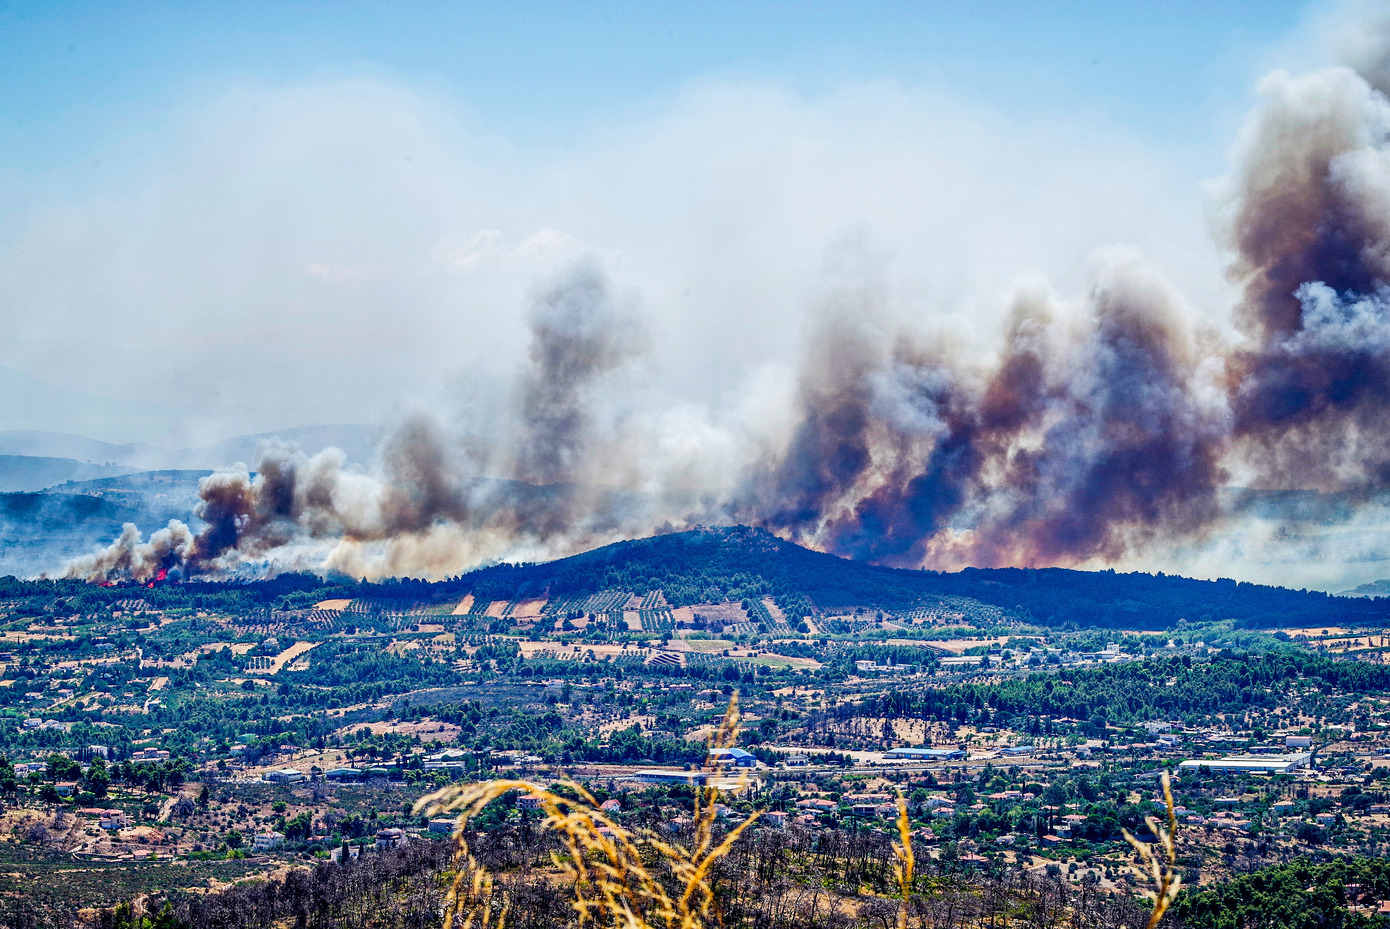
{"type": "Point", "coordinates": [1373, 589]}
{"type": "Point", "coordinates": [358, 442]}
{"type": "Point", "coordinates": [713, 565]}
{"type": "Point", "coordinates": [34, 404]}
{"type": "Point", "coordinates": [34, 443]}
{"type": "Point", "coordinates": [27, 473]}
{"type": "Point", "coordinates": [155, 496]}
{"type": "Point", "coordinates": [39, 532]}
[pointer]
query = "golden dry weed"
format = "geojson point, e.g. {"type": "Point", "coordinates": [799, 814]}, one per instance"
{"type": "Point", "coordinates": [613, 886]}
{"type": "Point", "coordinates": [905, 862]}
{"type": "Point", "coordinates": [1161, 869]}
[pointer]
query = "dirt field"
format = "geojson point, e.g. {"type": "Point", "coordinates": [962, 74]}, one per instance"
{"type": "Point", "coordinates": [426, 729]}
{"type": "Point", "coordinates": [289, 655]}
{"type": "Point", "coordinates": [959, 646]}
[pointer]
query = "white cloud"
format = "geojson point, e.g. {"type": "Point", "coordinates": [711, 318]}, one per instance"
{"type": "Point", "coordinates": [328, 250]}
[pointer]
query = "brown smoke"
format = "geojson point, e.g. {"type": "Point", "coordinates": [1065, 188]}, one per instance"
{"type": "Point", "coordinates": [579, 336]}
{"type": "Point", "coordinates": [429, 507]}
{"type": "Point", "coordinates": [1310, 231]}
{"type": "Point", "coordinates": [1078, 444]}
{"type": "Point", "coordinates": [1094, 433]}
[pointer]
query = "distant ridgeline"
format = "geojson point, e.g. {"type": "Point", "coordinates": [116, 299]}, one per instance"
{"type": "Point", "coordinates": [738, 563]}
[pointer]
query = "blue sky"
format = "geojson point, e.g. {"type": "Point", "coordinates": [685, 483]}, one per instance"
{"type": "Point", "coordinates": [78, 76]}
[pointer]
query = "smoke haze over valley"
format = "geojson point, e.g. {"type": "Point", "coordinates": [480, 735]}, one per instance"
{"type": "Point", "coordinates": [881, 320]}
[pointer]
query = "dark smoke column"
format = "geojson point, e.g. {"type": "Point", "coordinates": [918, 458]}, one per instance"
{"type": "Point", "coordinates": [1309, 225]}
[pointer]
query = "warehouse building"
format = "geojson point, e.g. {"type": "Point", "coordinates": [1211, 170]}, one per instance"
{"type": "Point", "coordinates": [1254, 764]}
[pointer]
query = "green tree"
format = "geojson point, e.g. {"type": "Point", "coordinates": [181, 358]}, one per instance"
{"type": "Point", "coordinates": [97, 778]}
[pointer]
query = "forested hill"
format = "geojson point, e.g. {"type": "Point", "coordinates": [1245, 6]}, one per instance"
{"type": "Point", "coordinates": [711, 565]}
{"type": "Point", "coordinates": [734, 563]}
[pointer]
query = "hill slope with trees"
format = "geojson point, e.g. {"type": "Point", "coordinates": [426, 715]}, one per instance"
{"type": "Point", "coordinates": [737, 563]}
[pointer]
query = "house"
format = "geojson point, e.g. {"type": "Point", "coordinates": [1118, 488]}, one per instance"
{"type": "Point", "coordinates": [611, 806]}
{"type": "Point", "coordinates": [871, 667]}
{"type": "Point", "coordinates": [267, 841]}
{"type": "Point", "coordinates": [284, 776]}
{"type": "Point", "coordinates": [112, 819]}
{"type": "Point", "coordinates": [336, 854]}
{"type": "Point", "coordinates": [149, 755]}
{"type": "Point", "coordinates": [445, 826]}
{"type": "Point", "coordinates": [528, 802]}
{"type": "Point", "coordinates": [1298, 741]}
{"type": "Point", "coordinates": [816, 805]}
{"type": "Point", "coordinates": [390, 838]}
{"type": "Point", "coordinates": [448, 759]}
{"type": "Point", "coordinates": [775, 818]}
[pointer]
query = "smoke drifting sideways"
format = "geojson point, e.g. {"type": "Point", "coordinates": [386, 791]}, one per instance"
{"type": "Point", "coordinates": [427, 508]}
{"type": "Point", "coordinates": [1090, 434]}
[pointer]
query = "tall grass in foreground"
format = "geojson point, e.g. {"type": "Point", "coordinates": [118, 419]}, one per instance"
{"type": "Point", "coordinates": [630, 878]}
{"type": "Point", "coordinates": [613, 884]}
{"type": "Point", "coordinates": [1162, 868]}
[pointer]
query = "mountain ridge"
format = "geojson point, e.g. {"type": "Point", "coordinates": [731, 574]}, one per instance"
{"type": "Point", "coordinates": [731, 563]}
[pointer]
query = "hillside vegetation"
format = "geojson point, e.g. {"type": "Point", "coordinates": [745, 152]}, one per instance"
{"type": "Point", "coordinates": [738, 563]}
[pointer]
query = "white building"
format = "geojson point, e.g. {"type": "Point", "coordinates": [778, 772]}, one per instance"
{"type": "Point", "coordinates": [284, 776]}
{"type": "Point", "coordinates": [267, 841]}
{"type": "Point", "coordinates": [1255, 764]}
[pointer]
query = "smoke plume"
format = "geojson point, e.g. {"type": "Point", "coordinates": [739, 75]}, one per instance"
{"type": "Point", "coordinates": [1094, 430]}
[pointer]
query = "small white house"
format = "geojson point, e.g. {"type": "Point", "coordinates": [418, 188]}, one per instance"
{"type": "Point", "coordinates": [267, 841]}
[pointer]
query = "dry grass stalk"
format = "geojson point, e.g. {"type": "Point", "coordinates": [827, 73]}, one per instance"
{"type": "Point", "coordinates": [905, 861]}
{"type": "Point", "coordinates": [613, 885]}
{"type": "Point", "coordinates": [1161, 869]}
